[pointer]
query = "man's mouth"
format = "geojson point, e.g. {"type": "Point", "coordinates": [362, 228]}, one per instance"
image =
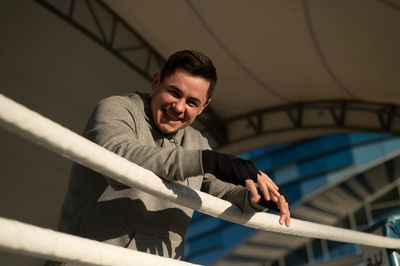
{"type": "Point", "coordinates": [171, 118]}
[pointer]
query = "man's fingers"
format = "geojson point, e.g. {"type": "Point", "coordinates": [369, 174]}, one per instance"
{"type": "Point", "coordinates": [270, 191]}
{"type": "Point", "coordinates": [284, 209]}
{"type": "Point", "coordinates": [266, 177]}
{"type": "Point", "coordinates": [285, 219]}
{"type": "Point", "coordinates": [251, 186]}
{"type": "Point", "coordinates": [265, 191]}
{"type": "Point", "coordinates": [268, 187]}
{"type": "Point", "coordinates": [288, 220]}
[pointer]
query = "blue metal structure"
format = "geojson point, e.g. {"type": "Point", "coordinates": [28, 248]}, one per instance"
{"type": "Point", "coordinates": [300, 168]}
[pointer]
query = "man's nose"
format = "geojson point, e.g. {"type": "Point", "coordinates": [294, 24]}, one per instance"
{"type": "Point", "coordinates": [179, 105]}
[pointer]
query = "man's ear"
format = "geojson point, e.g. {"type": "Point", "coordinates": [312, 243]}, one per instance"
{"type": "Point", "coordinates": [156, 81]}
{"type": "Point", "coordinates": [205, 105]}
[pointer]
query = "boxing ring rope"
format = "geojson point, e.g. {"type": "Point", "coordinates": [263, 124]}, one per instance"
{"type": "Point", "coordinates": [32, 240]}
{"type": "Point", "coordinates": [38, 129]}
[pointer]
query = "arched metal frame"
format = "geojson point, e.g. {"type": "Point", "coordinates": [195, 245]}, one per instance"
{"type": "Point", "coordinates": [351, 115]}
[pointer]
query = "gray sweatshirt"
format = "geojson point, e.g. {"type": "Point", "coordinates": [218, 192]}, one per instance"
{"type": "Point", "coordinates": [99, 208]}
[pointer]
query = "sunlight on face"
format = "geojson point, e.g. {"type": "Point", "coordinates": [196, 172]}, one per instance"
{"type": "Point", "coordinates": [178, 100]}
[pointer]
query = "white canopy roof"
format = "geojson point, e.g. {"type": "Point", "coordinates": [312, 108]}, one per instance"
{"type": "Point", "coordinates": [287, 69]}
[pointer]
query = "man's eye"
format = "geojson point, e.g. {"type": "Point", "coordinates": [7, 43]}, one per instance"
{"type": "Point", "coordinates": [192, 103]}
{"type": "Point", "coordinates": [174, 93]}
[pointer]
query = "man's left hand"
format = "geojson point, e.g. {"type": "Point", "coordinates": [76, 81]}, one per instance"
{"type": "Point", "coordinates": [270, 191]}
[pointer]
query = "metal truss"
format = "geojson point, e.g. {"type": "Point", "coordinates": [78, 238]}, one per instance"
{"type": "Point", "coordinates": [342, 114]}
{"type": "Point", "coordinates": [100, 23]}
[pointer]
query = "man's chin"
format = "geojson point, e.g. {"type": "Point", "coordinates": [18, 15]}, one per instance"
{"type": "Point", "coordinates": [169, 129]}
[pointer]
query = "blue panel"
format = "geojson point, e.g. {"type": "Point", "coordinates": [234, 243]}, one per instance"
{"type": "Point", "coordinates": [297, 257]}
{"type": "Point", "coordinates": [325, 163]}
{"type": "Point", "coordinates": [265, 150]}
{"type": "Point", "coordinates": [264, 163]}
{"type": "Point", "coordinates": [336, 175]}
{"type": "Point", "coordinates": [245, 156]}
{"type": "Point", "coordinates": [197, 215]}
{"type": "Point", "coordinates": [361, 137]}
{"type": "Point", "coordinates": [234, 235]}
{"type": "Point", "coordinates": [313, 166]}
{"type": "Point", "coordinates": [204, 242]}
{"type": "Point", "coordinates": [308, 148]}
{"type": "Point", "coordinates": [203, 225]}
{"type": "Point", "coordinates": [312, 184]}
{"type": "Point", "coordinates": [391, 145]}
{"type": "Point", "coordinates": [282, 157]}
{"type": "Point", "coordinates": [338, 159]}
{"type": "Point", "coordinates": [293, 191]}
{"type": "Point", "coordinates": [286, 174]}
{"type": "Point", "coordinates": [271, 175]}
{"type": "Point", "coordinates": [338, 250]}
{"type": "Point", "coordinates": [206, 258]}
{"type": "Point", "coordinates": [261, 151]}
{"type": "Point", "coordinates": [333, 142]}
{"type": "Point", "coordinates": [366, 153]}
{"type": "Point", "coordinates": [213, 246]}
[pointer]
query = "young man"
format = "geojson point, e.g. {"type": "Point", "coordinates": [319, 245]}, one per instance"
{"type": "Point", "coordinates": [154, 132]}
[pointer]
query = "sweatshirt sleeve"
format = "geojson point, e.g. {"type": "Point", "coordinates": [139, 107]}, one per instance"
{"type": "Point", "coordinates": [235, 194]}
{"type": "Point", "coordinates": [114, 125]}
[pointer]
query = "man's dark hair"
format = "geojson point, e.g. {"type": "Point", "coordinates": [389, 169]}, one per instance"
{"type": "Point", "coordinates": [193, 62]}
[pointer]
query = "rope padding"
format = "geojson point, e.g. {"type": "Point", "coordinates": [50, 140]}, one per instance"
{"type": "Point", "coordinates": [32, 240]}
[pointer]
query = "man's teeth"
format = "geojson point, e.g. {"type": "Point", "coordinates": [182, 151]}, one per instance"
{"type": "Point", "coordinates": [169, 117]}
{"type": "Point", "coordinates": [172, 118]}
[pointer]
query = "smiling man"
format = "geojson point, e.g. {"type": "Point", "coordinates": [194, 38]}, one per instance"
{"type": "Point", "coordinates": [155, 133]}
{"type": "Point", "coordinates": [177, 100]}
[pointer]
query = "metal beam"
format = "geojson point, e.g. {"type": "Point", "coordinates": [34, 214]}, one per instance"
{"type": "Point", "coordinates": [351, 115]}
{"type": "Point", "coordinates": [110, 31]}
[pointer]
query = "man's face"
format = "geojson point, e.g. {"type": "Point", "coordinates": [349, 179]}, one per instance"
{"type": "Point", "coordinates": [178, 100]}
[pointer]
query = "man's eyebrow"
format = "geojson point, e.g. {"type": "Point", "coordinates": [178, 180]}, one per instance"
{"type": "Point", "coordinates": [175, 88]}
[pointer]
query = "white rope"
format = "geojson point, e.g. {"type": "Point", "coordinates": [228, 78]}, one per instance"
{"type": "Point", "coordinates": [28, 239]}
{"type": "Point", "coordinates": [49, 134]}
